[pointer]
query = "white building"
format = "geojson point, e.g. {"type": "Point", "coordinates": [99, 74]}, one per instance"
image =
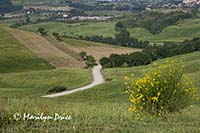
{"type": "Point", "coordinates": [191, 1]}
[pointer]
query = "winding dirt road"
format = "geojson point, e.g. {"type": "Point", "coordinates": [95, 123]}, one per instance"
{"type": "Point", "coordinates": [97, 79]}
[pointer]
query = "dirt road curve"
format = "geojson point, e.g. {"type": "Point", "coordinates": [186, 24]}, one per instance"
{"type": "Point", "coordinates": [97, 79]}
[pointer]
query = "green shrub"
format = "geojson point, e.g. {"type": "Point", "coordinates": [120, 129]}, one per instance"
{"type": "Point", "coordinates": [109, 79]}
{"type": "Point", "coordinates": [57, 89]}
{"type": "Point", "coordinates": [163, 91]}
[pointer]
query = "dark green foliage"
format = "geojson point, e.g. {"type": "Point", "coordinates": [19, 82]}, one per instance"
{"type": "Point", "coordinates": [137, 59]}
{"type": "Point", "coordinates": [122, 38]}
{"type": "Point", "coordinates": [57, 36]}
{"type": "Point", "coordinates": [119, 26]}
{"type": "Point", "coordinates": [28, 20]}
{"type": "Point", "coordinates": [83, 55]}
{"type": "Point", "coordinates": [105, 62]}
{"type": "Point", "coordinates": [151, 53]}
{"type": "Point", "coordinates": [126, 60]}
{"type": "Point", "coordinates": [57, 89]}
{"type": "Point", "coordinates": [42, 31]}
{"type": "Point", "coordinates": [172, 49]}
{"type": "Point", "coordinates": [155, 22]}
{"type": "Point", "coordinates": [90, 61]}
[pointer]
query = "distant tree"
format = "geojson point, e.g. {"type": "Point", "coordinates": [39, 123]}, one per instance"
{"type": "Point", "coordinates": [42, 31]}
{"type": "Point", "coordinates": [105, 62]}
{"type": "Point", "coordinates": [90, 61]}
{"type": "Point", "coordinates": [119, 26]}
{"type": "Point", "coordinates": [83, 55]}
{"type": "Point", "coordinates": [116, 60]}
{"type": "Point", "coordinates": [57, 36]}
{"type": "Point", "coordinates": [28, 20]}
{"type": "Point", "coordinates": [123, 37]}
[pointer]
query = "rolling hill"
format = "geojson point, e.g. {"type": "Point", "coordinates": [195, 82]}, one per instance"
{"type": "Point", "coordinates": [186, 29]}
{"type": "Point", "coordinates": [102, 108]}
{"type": "Point", "coordinates": [25, 76]}
{"type": "Point", "coordinates": [14, 57]}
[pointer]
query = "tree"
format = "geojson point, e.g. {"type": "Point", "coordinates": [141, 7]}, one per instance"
{"type": "Point", "coordinates": [105, 62]}
{"type": "Point", "coordinates": [123, 37]}
{"type": "Point", "coordinates": [119, 26]}
{"type": "Point", "coordinates": [57, 36]}
{"type": "Point", "coordinates": [42, 31]}
{"type": "Point", "coordinates": [90, 61]}
{"type": "Point", "coordinates": [28, 20]}
{"type": "Point", "coordinates": [83, 55]}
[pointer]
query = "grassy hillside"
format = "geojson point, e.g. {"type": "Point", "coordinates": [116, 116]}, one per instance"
{"type": "Point", "coordinates": [105, 108]}
{"type": "Point", "coordinates": [48, 48]}
{"type": "Point", "coordinates": [113, 90]}
{"type": "Point", "coordinates": [14, 57]}
{"type": "Point", "coordinates": [37, 83]}
{"type": "Point", "coordinates": [186, 29]}
{"type": "Point", "coordinates": [85, 29]}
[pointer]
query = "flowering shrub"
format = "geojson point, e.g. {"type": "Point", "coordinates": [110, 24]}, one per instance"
{"type": "Point", "coordinates": [164, 90]}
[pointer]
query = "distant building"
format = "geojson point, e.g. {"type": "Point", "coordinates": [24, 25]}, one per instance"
{"type": "Point", "coordinates": [191, 1]}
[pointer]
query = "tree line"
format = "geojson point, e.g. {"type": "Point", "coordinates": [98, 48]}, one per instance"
{"type": "Point", "coordinates": [122, 38]}
{"type": "Point", "coordinates": [150, 54]}
{"type": "Point", "coordinates": [155, 21]}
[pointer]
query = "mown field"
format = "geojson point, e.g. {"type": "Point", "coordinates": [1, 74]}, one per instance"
{"type": "Point", "coordinates": [14, 57]}
{"type": "Point", "coordinates": [98, 50]}
{"type": "Point", "coordinates": [103, 108]}
{"type": "Point", "coordinates": [66, 53]}
{"type": "Point", "coordinates": [186, 29]}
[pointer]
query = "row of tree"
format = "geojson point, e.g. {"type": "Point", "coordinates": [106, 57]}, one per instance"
{"type": "Point", "coordinates": [155, 21]}
{"type": "Point", "coordinates": [122, 38]}
{"type": "Point", "coordinates": [150, 53]}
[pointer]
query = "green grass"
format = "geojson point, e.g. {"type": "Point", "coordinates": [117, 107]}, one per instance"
{"type": "Point", "coordinates": [14, 57]}
{"type": "Point", "coordinates": [103, 108]}
{"type": "Point", "coordinates": [85, 29]}
{"type": "Point", "coordinates": [97, 117]}
{"type": "Point", "coordinates": [37, 83]}
{"type": "Point", "coordinates": [186, 29]}
{"type": "Point", "coordinates": [191, 62]}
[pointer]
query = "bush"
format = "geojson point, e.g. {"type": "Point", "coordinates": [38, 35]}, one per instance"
{"type": "Point", "coordinates": [163, 91]}
{"type": "Point", "coordinates": [90, 61]}
{"type": "Point", "coordinates": [42, 31]}
{"type": "Point", "coordinates": [83, 55]}
{"type": "Point", "coordinates": [109, 79]}
{"type": "Point", "coordinates": [57, 89]}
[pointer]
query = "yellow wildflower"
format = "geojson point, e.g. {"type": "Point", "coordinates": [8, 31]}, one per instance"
{"type": "Point", "coordinates": [158, 94]}
{"type": "Point", "coordinates": [155, 99]}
